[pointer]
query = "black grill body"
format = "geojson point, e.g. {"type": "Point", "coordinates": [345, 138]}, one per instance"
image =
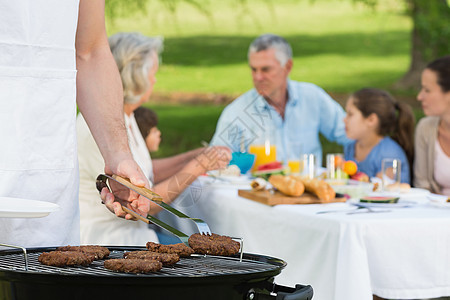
{"type": "Point", "coordinates": [197, 277]}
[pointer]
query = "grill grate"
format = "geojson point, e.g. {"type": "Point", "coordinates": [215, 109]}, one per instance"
{"type": "Point", "coordinates": [194, 266]}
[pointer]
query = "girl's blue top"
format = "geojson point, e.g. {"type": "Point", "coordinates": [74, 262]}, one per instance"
{"type": "Point", "coordinates": [386, 148]}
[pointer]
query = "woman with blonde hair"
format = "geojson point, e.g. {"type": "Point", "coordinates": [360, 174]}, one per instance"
{"type": "Point", "coordinates": [137, 57]}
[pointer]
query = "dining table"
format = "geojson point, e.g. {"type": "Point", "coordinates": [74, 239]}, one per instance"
{"type": "Point", "coordinates": [344, 251]}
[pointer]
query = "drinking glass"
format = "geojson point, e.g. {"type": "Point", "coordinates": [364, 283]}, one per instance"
{"type": "Point", "coordinates": [308, 165]}
{"type": "Point", "coordinates": [295, 159]}
{"type": "Point", "coordinates": [263, 154]}
{"type": "Point", "coordinates": [391, 174]}
{"type": "Point", "coordinates": [334, 166]}
{"type": "Point", "coordinates": [294, 166]}
{"type": "Point", "coordinates": [263, 146]}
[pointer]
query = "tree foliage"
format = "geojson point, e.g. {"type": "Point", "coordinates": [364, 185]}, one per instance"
{"type": "Point", "coordinates": [430, 37]}
{"type": "Point", "coordinates": [432, 23]}
{"type": "Point", "coordinates": [118, 8]}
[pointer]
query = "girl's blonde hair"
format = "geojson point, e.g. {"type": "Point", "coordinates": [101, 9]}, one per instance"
{"type": "Point", "coordinates": [133, 55]}
{"type": "Point", "coordinates": [396, 119]}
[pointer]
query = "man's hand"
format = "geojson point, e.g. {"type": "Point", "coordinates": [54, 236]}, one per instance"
{"type": "Point", "coordinates": [125, 166]}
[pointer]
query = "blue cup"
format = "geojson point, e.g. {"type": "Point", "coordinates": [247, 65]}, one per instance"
{"type": "Point", "coordinates": [243, 160]}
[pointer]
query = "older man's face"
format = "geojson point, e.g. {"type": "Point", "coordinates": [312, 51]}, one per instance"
{"type": "Point", "coordinates": [269, 77]}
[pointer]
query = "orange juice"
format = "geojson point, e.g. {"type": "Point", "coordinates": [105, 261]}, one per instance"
{"type": "Point", "coordinates": [263, 154]}
{"type": "Point", "coordinates": [294, 166]}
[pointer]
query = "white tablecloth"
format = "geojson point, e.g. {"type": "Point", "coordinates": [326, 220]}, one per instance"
{"type": "Point", "coordinates": [401, 254]}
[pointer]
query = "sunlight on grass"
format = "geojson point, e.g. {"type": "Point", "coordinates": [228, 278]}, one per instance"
{"type": "Point", "coordinates": [337, 44]}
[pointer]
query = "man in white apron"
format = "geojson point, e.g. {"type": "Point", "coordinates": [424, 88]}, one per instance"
{"type": "Point", "coordinates": [52, 53]}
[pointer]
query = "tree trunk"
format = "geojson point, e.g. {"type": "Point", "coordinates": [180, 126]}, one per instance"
{"type": "Point", "coordinates": [429, 38]}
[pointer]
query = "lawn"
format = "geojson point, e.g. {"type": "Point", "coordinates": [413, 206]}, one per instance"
{"type": "Point", "coordinates": [338, 45]}
{"type": "Point", "coordinates": [185, 127]}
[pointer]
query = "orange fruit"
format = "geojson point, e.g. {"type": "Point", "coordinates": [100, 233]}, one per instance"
{"type": "Point", "coordinates": [350, 167]}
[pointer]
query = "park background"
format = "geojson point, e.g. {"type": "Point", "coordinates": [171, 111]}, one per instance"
{"type": "Point", "coordinates": [340, 45]}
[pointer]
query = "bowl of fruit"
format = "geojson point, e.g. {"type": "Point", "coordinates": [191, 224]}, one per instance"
{"type": "Point", "coordinates": [348, 180]}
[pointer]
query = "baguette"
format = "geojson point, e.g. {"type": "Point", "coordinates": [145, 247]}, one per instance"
{"type": "Point", "coordinates": [287, 185]}
{"type": "Point", "coordinates": [318, 187]}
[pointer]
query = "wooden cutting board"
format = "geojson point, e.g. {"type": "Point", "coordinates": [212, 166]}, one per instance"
{"type": "Point", "coordinates": [269, 198]}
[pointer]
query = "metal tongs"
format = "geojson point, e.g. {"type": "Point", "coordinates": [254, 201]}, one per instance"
{"type": "Point", "coordinates": [203, 228]}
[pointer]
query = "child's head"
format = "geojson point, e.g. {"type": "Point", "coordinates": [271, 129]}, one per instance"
{"type": "Point", "coordinates": [147, 121]}
{"type": "Point", "coordinates": [370, 109]}
{"type": "Point", "coordinates": [374, 109]}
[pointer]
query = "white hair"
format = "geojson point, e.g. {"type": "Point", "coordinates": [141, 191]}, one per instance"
{"type": "Point", "coordinates": [283, 51]}
{"type": "Point", "coordinates": [133, 53]}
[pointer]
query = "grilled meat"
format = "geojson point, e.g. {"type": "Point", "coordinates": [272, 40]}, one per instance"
{"type": "Point", "coordinates": [65, 258]}
{"type": "Point", "coordinates": [181, 249]}
{"type": "Point", "coordinates": [133, 265]}
{"type": "Point", "coordinates": [167, 259]}
{"type": "Point", "coordinates": [213, 244]}
{"type": "Point", "coordinates": [99, 252]}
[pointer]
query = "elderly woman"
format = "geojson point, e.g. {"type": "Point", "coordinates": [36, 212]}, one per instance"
{"type": "Point", "coordinates": [432, 144]}
{"type": "Point", "coordinates": [137, 58]}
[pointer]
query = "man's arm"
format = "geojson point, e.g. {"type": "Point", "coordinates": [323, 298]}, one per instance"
{"type": "Point", "coordinates": [100, 100]}
{"type": "Point", "coordinates": [226, 125]}
{"type": "Point", "coordinates": [332, 118]}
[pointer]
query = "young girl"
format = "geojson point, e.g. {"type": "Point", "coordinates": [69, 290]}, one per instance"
{"type": "Point", "coordinates": [380, 128]}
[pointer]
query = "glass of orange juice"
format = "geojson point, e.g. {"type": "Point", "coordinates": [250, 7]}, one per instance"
{"type": "Point", "coordinates": [294, 166]}
{"type": "Point", "coordinates": [295, 158]}
{"type": "Point", "coordinates": [264, 153]}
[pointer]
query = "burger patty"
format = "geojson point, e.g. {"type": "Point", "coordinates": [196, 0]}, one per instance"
{"type": "Point", "coordinates": [167, 259]}
{"type": "Point", "coordinates": [99, 252]}
{"type": "Point", "coordinates": [181, 249]}
{"type": "Point", "coordinates": [133, 265]}
{"type": "Point", "coordinates": [213, 244]}
{"type": "Point", "coordinates": [65, 258]}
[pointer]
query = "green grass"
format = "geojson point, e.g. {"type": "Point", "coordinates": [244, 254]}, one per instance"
{"type": "Point", "coordinates": [185, 127]}
{"type": "Point", "coordinates": [338, 45]}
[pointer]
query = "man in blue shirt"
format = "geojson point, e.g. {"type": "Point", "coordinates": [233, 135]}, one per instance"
{"type": "Point", "coordinates": [290, 113]}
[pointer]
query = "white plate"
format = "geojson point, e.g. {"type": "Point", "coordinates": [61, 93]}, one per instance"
{"type": "Point", "coordinates": [440, 204]}
{"type": "Point", "coordinates": [416, 192]}
{"type": "Point", "coordinates": [25, 208]}
{"type": "Point", "coordinates": [412, 192]}
{"type": "Point", "coordinates": [241, 179]}
{"type": "Point", "coordinates": [439, 200]}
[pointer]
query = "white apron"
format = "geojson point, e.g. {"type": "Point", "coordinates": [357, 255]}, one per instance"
{"type": "Point", "coordinates": [37, 118]}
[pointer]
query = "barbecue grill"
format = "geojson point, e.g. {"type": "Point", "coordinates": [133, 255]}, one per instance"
{"type": "Point", "coordinates": [196, 277]}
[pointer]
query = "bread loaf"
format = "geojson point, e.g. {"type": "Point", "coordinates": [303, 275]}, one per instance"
{"type": "Point", "coordinates": [287, 185]}
{"type": "Point", "coordinates": [318, 187]}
